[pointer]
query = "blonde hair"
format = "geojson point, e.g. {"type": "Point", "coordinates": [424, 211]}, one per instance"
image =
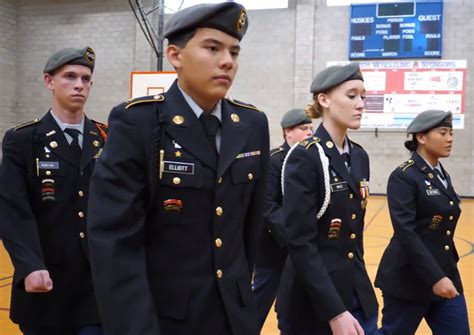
{"type": "Point", "coordinates": [314, 109]}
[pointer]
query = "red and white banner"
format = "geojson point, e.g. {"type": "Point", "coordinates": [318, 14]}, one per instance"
{"type": "Point", "coordinates": [398, 90]}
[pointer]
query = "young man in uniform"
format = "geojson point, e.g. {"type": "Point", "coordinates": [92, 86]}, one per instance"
{"type": "Point", "coordinates": [296, 126]}
{"type": "Point", "coordinates": [176, 206]}
{"type": "Point", "coordinates": [47, 164]}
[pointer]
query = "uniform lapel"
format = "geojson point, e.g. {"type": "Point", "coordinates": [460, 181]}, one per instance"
{"type": "Point", "coordinates": [431, 176]}
{"type": "Point", "coordinates": [234, 134]}
{"type": "Point", "coordinates": [92, 143]}
{"type": "Point", "coordinates": [51, 135]}
{"type": "Point", "coordinates": [185, 128]}
{"type": "Point", "coordinates": [336, 162]}
{"type": "Point", "coordinates": [358, 169]}
{"type": "Point", "coordinates": [450, 185]}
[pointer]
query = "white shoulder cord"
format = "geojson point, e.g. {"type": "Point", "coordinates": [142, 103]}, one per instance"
{"type": "Point", "coordinates": [284, 167]}
{"type": "Point", "coordinates": [325, 163]}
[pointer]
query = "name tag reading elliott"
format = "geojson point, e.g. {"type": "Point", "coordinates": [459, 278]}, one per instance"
{"type": "Point", "coordinates": [178, 167]}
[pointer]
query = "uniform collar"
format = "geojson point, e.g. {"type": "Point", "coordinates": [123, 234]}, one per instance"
{"type": "Point", "coordinates": [63, 125]}
{"type": "Point", "coordinates": [217, 111]}
{"type": "Point", "coordinates": [437, 167]}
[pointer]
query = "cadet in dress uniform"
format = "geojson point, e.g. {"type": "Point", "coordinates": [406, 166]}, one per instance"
{"type": "Point", "coordinates": [418, 273]}
{"type": "Point", "coordinates": [176, 257]}
{"type": "Point", "coordinates": [325, 193]}
{"type": "Point", "coordinates": [47, 164]}
{"type": "Point", "coordinates": [271, 256]}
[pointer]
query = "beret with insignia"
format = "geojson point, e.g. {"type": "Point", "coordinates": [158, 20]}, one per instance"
{"type": "Point", "coordinates": [295, 117]}
{"type": "Point", "coordinates": [430, 119]}
{"type": "Point", "coordinates": [229, 17]}
{"type": "Point", "coordinates": [335, 75]}
{"type": "Point", "coordinates": [70, 56]}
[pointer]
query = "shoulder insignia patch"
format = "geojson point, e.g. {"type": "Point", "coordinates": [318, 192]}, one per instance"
{"type": "Point", "coordinates": [242, 104]}
{"type": "Point", "coordinates": [140, 100]}
{"type": "Point", "coordinates": [276, 150]}
{"type": "Point", "coordinates": [26, 124]}
{"type": "Point", "coordinates": [313, 141]}
{"type": "Point", "coordinates": [309, 142]}
{"type": "Point", "coordinates": [102, 127]}
{"type": "Point", "coordinates": [407, 164]}
{"type": "Point", "coordinates": [303, 143]}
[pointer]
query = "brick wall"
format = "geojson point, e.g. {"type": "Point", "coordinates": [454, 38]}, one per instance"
{"type": "Point", "coordinates": [8, 64]}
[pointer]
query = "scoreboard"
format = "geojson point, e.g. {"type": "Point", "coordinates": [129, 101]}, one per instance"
{"type": "Point", "coordinates": [396, 30]}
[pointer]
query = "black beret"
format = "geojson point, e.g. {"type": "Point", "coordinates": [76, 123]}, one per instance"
{"type": "Point", "coordinates": [229, 17]}
{"type": "Point", "coordinates": [334, 75]}
{"type": "Point", "coordinates": [430, 119]}
{"type": "Point", "coordinates": [70, 56]}
{"type": "Point", "coordinates": [295, 117]}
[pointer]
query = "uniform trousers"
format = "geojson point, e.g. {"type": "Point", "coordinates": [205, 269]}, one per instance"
{"type": "Point", "coordinates": [445, 317]}
{"type": "Point", "coordinates": [265, 287]}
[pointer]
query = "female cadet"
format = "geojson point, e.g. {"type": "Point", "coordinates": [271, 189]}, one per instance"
{"type": "Point", "coordinates": [418, 272]}
{"type": "Point", "coordinates": [325, 184]}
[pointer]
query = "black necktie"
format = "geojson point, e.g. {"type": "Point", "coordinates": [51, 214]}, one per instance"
{"type": "Point", "coordinates": [347, 159]}
{"type": "Point", "coordinates": [74, 145]}
{"type": "Point", "coordinates": [439, 174]}
{"type": "Point", "coordinates": [211, 125]}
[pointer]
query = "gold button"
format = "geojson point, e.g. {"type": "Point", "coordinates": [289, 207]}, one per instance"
{"type": "Point", "coordinates": [451, 202]}
{"type": "Point", "coordinates": [446, 247]}
{"type": "Point", "coordinates": [82, 235]}
{"type": "Point", "coordinates": [178, 119]}
{"type": "Point", "coordinates": [48, 173]}
{"type": "Point", "coordinates": [176, 180]}
{"type": "Point", "coordinates": [336, 180]}
{"type": "Point", "coordinates": [81, 214]}
{"type": "Point", "coordinates": [353, 236]}
{"type": "Point", "coordinates": [448, 232]}
{"type": "Point", "coordinates": [451, 218]}
{"type": "Point", "coordinates": [351, 196]}
{"type": "Point", "coordinates": [350, 255]}
{"type": "Point", "coordinates": [353, 216]}
{"type": "Point", "coordinates": [250, 176]}
{"type": "Point", "coordinates": [218, 242]}
{"type": "Point", "coordinates": [219, 211]}
{"type": "Point", "coordinates": [219, 273]}
{"type": "Point", "coordinates": [219, 181]}
{"type": "Point", "coordinates": [81, 194]}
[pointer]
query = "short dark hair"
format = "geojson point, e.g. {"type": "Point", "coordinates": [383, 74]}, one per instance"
{"type": "Point", "coordinates": [181, 39]}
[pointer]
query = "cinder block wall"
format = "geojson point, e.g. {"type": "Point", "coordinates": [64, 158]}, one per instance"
{"type": "Point", "coordinates": [281, 53]}
{"type": "Point", "coordinates": [8, 63]}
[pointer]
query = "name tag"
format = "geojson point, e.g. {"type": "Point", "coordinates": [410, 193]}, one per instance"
{"type": "Point", "coordinates": [433, 191]}
{"type": "Point", "coordinates": [339, 186]}
{"type": "Point", "coordinates": [48, 165]}
{"type": "Point", "coordinates": [178, 167]}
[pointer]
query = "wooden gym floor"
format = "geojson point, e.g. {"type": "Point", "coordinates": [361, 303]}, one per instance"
{"type": "Point", "coordinates": [378, 231]}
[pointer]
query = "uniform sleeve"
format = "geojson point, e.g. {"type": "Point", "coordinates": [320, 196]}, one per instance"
{"type": "Point", "coordinates": [254, 216]}
{"type": "Point", "coordinates": [18, 227]}
{"type": "Point", "coordinates": [303, 173]}
{"type": "Point", "coordinates": [273, 209]}
{"type": "Point", "coordinates": [402, 202]}
{"type": "Point", "coordinates": [116, 231]}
